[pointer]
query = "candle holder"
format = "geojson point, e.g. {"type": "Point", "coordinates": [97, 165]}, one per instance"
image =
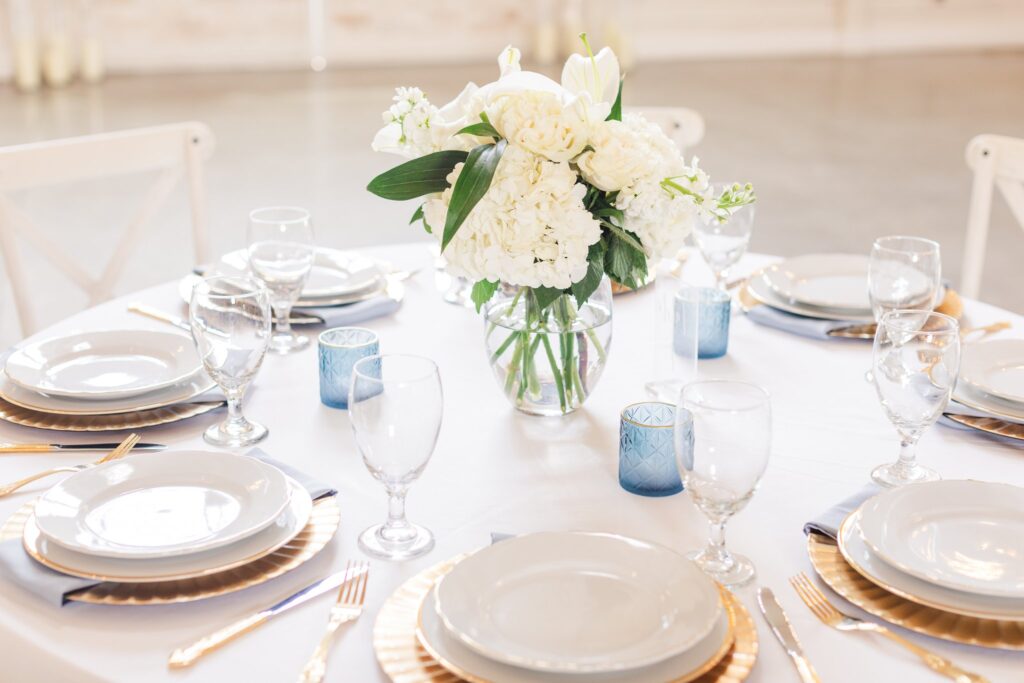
{"type": "Point", "coordinates": [340, 349]}
{"type": "Point", "coordinates": [647, 461]}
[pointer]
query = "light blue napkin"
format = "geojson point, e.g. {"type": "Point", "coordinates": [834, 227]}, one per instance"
{"type": "Point", "coordinates": [827, 523]}
{"type": "Point", "coordinates": [350, 314]}
{"type": "Point", "coordinates": [53, 587]}
{"type": "Point", "coordinates": [812, 328]}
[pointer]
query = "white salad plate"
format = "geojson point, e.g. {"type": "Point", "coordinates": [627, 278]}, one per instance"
{"type": "Point", "coordinates": [577, 602]}
{"type": "Point", "coordinates": [455, 656]}
{"type": "Point", "coordinates": [186, 566]}
{"type": "Point", "coordinates": [963, 535]}
{"type": "Point", "coordinates": [995, 368]}
{"type": "Point", "coordinates": [869, 565]}
{"type": "Point", "coordinates": [106, 364]}
{"type": "Point", "coordinates": [189, 389]}
{"type": "Point", "coordinates": [759, 288]}
{"type": "Point", "coordinates": [994, 406]}
{"type": "Point", "coordinates": [162, 504]}
{"type": "Point", "coordinates": [835, 281]}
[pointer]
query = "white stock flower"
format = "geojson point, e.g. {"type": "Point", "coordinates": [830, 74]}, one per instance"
{"type": "Point", "coordinates": [410, 129]}
{"type": "Point", "coordinates": [541, 122]}
{"type": "Point", "coordinates": [619, 156]}
{"type": "Point", "coordinates": [529, 229]}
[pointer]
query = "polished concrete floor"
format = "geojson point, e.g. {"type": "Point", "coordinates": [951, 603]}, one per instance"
{"type": "Point", "coordinates": [840, 150]}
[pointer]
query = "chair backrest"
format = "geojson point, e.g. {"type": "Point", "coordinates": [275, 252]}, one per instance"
{"type": "Point", "coordinates": [685, 126]}
{"type": "Point", "coordinates": [997, 161]}
{"type": "Point", "coordinates": [177, 149]}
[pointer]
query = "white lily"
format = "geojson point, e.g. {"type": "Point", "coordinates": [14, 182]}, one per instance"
{"type": "Point", "coordinates": [596, 75]}
{"type": "Point", "coordinates": [508, 60]}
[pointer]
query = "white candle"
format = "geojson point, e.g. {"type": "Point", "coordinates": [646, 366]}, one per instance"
{"type": "Point", "coordinates": [26, 63]}
{"type": "Point", "coordinates": [92, 67]}
{"type": "Point", "coordinates": [57, 59]}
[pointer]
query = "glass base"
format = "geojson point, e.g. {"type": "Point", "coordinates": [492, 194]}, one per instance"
{"type": "Point", "coordinates": [218, 435]}
{"type": "Point", "coordinates": [375, 543]}
{"type": "Point", "coordinates": [732, 572]}
{"type": "Point", "coordinates": [897, 474]}
{"type": "Point", "coordinates": [287, 343]}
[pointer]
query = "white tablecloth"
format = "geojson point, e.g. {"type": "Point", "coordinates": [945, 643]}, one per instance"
{"type": "Point", "coordinates": [497, 470]}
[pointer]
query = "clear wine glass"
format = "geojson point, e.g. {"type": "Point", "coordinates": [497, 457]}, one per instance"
{"type": "Point", "coordinates": [230, 319]}
{"type": "Point", "coordinates": [395, 405]}
{"type": "Point", "coordinates": [915, 362]}
{"type": "Point", "coordinates": [723, 243]}
{"type": "Point", "coordinates": [722, 439]}
{"type": "Point", "coordinates": [281, 253]}
{"type": "Point", "coordinates": [904, 273]}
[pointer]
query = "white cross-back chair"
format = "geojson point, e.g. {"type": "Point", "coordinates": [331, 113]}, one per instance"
{"type": "Point", "coordinates": [177, 149]}
{"type": "Point", "coordinates": [997, 161]}
{"type": "Point", "coordinates": [683, 125]}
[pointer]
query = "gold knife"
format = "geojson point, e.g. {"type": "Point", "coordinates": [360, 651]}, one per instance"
{"type": "Point", "coordinates": [55, 447]}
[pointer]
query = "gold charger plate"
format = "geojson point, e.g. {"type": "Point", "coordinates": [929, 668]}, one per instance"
{"type": "Point", "coordinates": [404, 659]}
{"type": "Point", "coordinates": [322, 525]}
{"type": "Point", "coordinates": [836, 572]}
{"type": "Point", "coordinates": [104, 423]}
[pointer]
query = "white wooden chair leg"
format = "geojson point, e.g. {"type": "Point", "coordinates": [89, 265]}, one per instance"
{"type": "Point", "coordinates": [977, 226]}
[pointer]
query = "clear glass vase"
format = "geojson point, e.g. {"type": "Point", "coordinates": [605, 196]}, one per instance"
{"type": "Point", "coordinates": [547, 361]}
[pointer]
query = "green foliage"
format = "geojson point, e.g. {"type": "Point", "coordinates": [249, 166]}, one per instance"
{"type": "Point", "coordinates": [623, 261]}
{"type": "Point", "coordinates": [546, 296]}
{"type": "Point", "coordinates": [417, 177]}
{"type": "Point", "coordinates": [417, 215]}
{"type": "Point", "coordinates": [482, 129]}
{"type": "Point", "coordinates": [482, 293]}
{"type": "Point", "coordinates": [470, 186]}
{"type": "Point", "coordinates": [582, 289]}
{"type": "Point", "coordinates": [616, 113]}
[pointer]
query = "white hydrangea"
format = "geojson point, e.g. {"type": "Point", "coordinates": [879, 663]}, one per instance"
{"type": "Point", "coordinates": [530, 228]}
{"type": "Point", "coordinates": [542, 122]}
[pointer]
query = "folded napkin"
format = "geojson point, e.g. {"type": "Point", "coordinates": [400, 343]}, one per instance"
{"type": "Point", "coordinates": [20, 569]}
{"type": "Point", "coordinates": [350, 314]}
{"type": "Point", "coordinates": [813, 328]}
{"type": "Point", "coordinates": [827, 523]}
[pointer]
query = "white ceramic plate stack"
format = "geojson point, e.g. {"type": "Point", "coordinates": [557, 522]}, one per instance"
{"type": "Point", "coordinates": [827, 286]}
{"type": "Point", "coordinates": [559, 607]}
{"type": "Point", "coordinates": [957, 546]}
{"type": "Point", "coordinates": [165, 516]}
{"type": "Point", "coordinates": [337, 278]}
{"type": "Point", "coordinates": [105, 372]}
{"type": "Point", "coordinates": [992, 378]}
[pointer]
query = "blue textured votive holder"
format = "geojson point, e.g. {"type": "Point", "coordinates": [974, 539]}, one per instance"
{"type": "Point", "coordinates": [340, 349]}
{"type": "Point", "coordinates": [710, 309]}
{"type": "Point", "coordinates": [647, 461]}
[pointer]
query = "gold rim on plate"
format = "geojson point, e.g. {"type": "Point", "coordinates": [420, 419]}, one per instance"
{"type": "Point", "coordinates": [322, 525]}
{"type": "Point", "coordinates": [837, 573]}
{"type": "Point", "coordinates": [104, 423]}
{"type": "Point", "coordinates": [405, 660]}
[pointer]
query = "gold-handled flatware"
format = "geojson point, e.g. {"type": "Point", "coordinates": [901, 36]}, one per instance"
{"type": "Point", "coordinates": [72, 447]}
{"type": "Point", "coordinates": [122, 450]}
{"type": "Point", "coordinates": [347, 607]}
{"type": "Point", "coordinates": [157, 314]}
{"type": "Point", "coordinates": [990, 425]}
{"type": "Point", "coordinates": [185, 656]}
{"type": "Point", "coordinates": [829, 615]}
{"type": "Point", "coordinates": [867, 331]}
{"type": "Point", "coordinates": [783, 630]}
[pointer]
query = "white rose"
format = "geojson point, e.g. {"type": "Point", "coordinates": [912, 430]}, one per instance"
{"type": "Point", "coordinates": [541, 122]}
{"type": "Point", "coordinates": [619, 157]}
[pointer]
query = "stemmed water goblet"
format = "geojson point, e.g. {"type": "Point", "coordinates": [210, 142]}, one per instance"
{"type": "Point", "coordinates": [915, 362]}
{"type": "Point", "coordinates": [722, 442]}
{"type": "Point", "coordinates": [230, 320]}
{"type": "Point", "coordinates": [904, 273]}
{"type": "Point", "coordinates": [723, 240]}
{"type": "Point", "coordinates": [395, 405]}
{"type": "Point", "coordinates": [281, 253]}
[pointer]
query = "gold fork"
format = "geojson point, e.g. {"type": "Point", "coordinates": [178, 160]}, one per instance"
{"type": "Point", "coordinates": [348, 607]}
{"type": "Point", "coordinates": [823, 609]}
{"type": "Point", "coordinates": [122, 450]}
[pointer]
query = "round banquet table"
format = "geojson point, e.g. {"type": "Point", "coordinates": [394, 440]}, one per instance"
{"type": "Point", "coordinates": [495, 470]}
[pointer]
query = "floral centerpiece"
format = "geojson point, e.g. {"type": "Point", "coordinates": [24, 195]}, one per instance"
{"type": "Point", "coordinates": [540, 192]}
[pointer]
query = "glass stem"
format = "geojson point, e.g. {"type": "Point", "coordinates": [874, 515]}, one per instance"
{"type": "Point", "coordinates": [716, 542]}
{"type": "Point", "coordinates": [236, 422]}
{"type": "Point", "coordinates": [397, 528]}
{"type": "Point", "coordinates": [282, 314]}
{"type": "Point", "coordinates": [908, 453]}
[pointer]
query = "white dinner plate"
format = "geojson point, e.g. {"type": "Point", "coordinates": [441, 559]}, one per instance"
{"type": "Point", "coordinates": [447, 649]}
{"type": "Point", "coordinates": [192, 387]}
{"type": "Point", "coordinates": [191, 565]}
{"type": "Point", "coordinates": [838, 281]}
{"type": "Point", "coordinates": [578, 602]}
{"type": "Point", "coordinates": [992, 405]}
{"type": "Point", "coordinates": [759, 288]}
{"type": "Point", "coordinates": [860, 556]}
{"type": "Point", "coordinates": [162, 504]}
{"type": "Point", "coordinates": [963, 535]}
{"type": "Point", "coordinates": [105, 364]}
{"type": "Point", "coordinates": [995, 368]}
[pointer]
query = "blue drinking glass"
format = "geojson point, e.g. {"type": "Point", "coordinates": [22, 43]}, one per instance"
{"type": "Point", "coordinates": [340, 349]}
{"type": "Point", "coordinates": [710, 308]}
{"type": "Point", "coordinates": [647, 459]}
